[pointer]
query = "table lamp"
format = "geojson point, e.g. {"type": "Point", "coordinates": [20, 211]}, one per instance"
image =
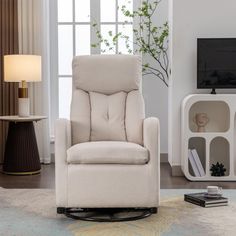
{"type": "Point", "coordinates": [23, 69]}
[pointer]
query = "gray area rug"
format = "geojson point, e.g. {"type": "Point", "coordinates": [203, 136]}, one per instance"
{"type": "Point", "coordinates": [26, 212]}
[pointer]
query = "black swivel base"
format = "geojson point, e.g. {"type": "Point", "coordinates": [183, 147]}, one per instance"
{"type": "Point", "coordinates": [107, 214]}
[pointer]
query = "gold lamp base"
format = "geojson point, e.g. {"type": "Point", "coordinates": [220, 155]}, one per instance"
{"type": "Point", "coordinates": [23, 91]}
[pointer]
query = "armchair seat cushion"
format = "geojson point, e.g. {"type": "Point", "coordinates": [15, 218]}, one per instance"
{"type": "Point", "coordinates": [107, 152]}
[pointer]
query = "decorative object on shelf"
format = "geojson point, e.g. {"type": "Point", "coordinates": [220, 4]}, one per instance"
{"type": "Point", "coordinates": [217, 169]}
{"type": "Point", "coordinates": [22, 68]}
{"type": "Point", "coordinates": [153, 43]}
{"type": "Point", "coordinates": [201, 121]}
{"type": "Point", "coordinates": [195, 162]}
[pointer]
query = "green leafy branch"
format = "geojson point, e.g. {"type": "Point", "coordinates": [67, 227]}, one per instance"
{"type": "Point", "coordinates": [148, 38]}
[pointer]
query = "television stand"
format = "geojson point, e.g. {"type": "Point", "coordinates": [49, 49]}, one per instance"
{"type": "Point", "coordinates": [213, 91]}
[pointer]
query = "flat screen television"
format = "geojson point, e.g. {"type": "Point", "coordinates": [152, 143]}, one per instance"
{"type": "Point", "coordinates": [216, 63]}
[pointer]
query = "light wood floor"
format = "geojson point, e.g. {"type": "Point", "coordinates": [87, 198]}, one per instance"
{"type": "Point", "coordinates": [47, 180]}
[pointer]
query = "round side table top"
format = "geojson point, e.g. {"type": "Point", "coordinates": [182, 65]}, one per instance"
{"type": "Point", "coordinates": [22, 119]}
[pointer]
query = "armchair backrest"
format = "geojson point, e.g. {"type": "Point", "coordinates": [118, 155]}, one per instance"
{"type": "Point", "coordinates": [107, 104]}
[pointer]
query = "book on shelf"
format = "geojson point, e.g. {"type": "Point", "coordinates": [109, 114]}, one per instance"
{"type": "Point", "coordinates": [198, 162]}
{"type": "Point", "coordinates": [201, 200]}
{"type": "Point", "coordinates": [193, 164]}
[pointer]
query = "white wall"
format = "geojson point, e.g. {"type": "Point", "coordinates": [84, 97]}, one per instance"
{"type": "Point", "coordinates": [154, 90]}
{"type": "Point", "coordinates": [192, 19]}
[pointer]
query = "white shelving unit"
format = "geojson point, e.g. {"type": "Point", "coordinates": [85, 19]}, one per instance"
{"type": "Point", "coordinates": [218, 142]}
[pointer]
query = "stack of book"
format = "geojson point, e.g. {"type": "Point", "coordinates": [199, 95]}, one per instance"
{"type": "Point", "coordinates": [201, 200]}
{"type": "Point", "coordinates": [195, 162]}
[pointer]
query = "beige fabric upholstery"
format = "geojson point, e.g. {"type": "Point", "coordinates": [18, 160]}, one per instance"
{"type": "Point", "coordinates": [99, 117]}
{"type": "Point", "coordinates": [108, 116]}
{"type": "Point", "coordinates": [107, 104]}
{"type": "Point", "coordinates": [80, 185]}
{"type": "Point", "coordinates": [107, 74]}
{"type": "Point", "coordinates": [62, 143]}
{"type": "Point", "coordinates": [80, 116]}
{"type": "Point", "coordinates": [98, 186]}
{"type": "Point", "coordinates": [134, 117]}
{"type": "Point", "coordinates": [107, 152]}
{"type": "Point", "coordinates": [151, 141]}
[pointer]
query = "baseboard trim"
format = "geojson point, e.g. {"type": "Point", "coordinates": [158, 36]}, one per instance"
{"type": "Point", "coordinates": [176, 171]}
{"type": "Point", "coordinates": [53, 157]}
{"type": "Point", "coordinates": [164, 157]}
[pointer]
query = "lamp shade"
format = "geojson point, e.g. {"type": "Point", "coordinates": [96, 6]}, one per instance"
{"type": "Point", "coordinates": [19, 68]}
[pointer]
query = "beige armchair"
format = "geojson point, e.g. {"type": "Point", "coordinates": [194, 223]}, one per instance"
{"type": "Point", "coordinates": [107, 155]}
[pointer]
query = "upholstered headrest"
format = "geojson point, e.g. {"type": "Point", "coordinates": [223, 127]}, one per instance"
{"type": "Point", "coordinates": [107, 74]}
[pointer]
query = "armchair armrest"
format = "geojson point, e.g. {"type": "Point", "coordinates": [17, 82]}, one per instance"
{"type": "Point", "coordinates": [151, 141]}
{"type": "Point", "coordinates": [151, 138]}
{"type": "Point", "coordinates": [62, 143]}
{"type": "Point", "coordinates": [62, 138]}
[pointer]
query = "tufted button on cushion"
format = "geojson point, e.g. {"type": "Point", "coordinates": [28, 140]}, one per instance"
{"type": "Point", "coordinates": [107, 104]}
{"type": "Point", "coordinates": [108, 116]}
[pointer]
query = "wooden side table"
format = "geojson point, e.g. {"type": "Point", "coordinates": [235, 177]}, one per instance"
{"type": "Point", "coordinates": [21, 155]}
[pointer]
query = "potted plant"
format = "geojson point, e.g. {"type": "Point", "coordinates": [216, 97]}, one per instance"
{"type": "Point", "coordinates": [218, 169]}
{"type": "Point", "coordinates": [149, 38]}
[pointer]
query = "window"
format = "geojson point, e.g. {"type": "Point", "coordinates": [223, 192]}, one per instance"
{"type": "Point", "coordinates": [75, 34]}
{"type": "Point", "coordinates": [73, 39]}
{"type": "Point", "coordinates": [112, 20]}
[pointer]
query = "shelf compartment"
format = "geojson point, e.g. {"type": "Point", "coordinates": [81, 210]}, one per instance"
{"type": "Point", "coordinates": [218, 113]}
{"type": "Point", "coordinates": [198, 143]}
{"type": "Point", "coordinates": [220, 152]}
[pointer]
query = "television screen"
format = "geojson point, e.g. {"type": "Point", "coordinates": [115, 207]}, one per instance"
{"type": "Point", "coordinates": [216, 59]}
